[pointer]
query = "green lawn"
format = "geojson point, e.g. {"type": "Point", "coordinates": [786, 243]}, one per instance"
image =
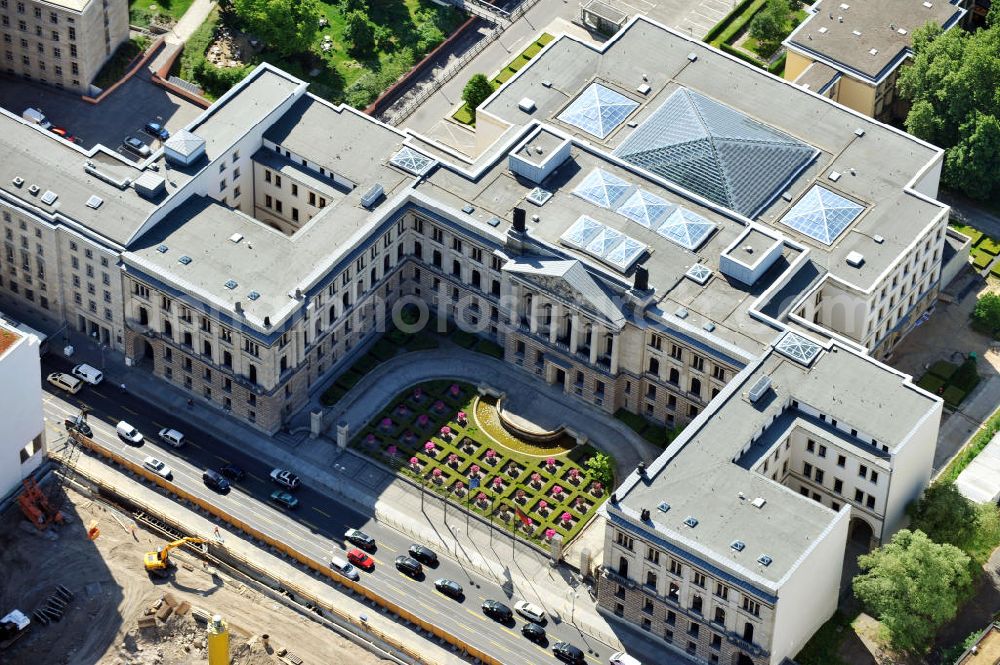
{"type": "Point", "coordinates": [949, 381]}
{"type": "Point", "coordinates": [546, 483]}
{"type": "Point", "coordinates": [142, 12]}
{"type": "Point", "coordinates": [974, 234]}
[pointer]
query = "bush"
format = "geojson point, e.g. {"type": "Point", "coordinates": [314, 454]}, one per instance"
{"type": "Point", "coordinates": [931, 383]}
{"type": "Point", "coordinates": [967, 454]}
{"type": "Point", "coordinates": [966, 377]}
{"type": "Point", "coordinates": [717, 29]}
{"type": "Point", "coordinates": [943, 369]}
{"type": "Point", "coordinates": [217, 80]}
{"type": "Point", "coordinates": [989, 245]}
{"type": "Point", "coordinates": [986, 315]}
{"type": "Point", "coordinates": [953, 396]}
{"type": "Point", "coordinates": [980, 259]}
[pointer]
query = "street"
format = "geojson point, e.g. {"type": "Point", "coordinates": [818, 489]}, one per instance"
{"type": "Point", "coordinates": [316, 527]}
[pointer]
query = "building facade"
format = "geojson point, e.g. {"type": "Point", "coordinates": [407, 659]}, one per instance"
{"type": "Point", "coordinates": [22, 449]}
{"type": "Point", "coordinates": [61, 43]}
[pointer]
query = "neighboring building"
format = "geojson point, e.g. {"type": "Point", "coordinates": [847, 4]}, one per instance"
{"type": "Point", "coordinates": [986, 650]}
{"type": "Point", "coordinates": [22, 446]}
{"type": "Point", "coordinates": [61, 42]}
{"type": "Point", "coordinates": [852, 51]}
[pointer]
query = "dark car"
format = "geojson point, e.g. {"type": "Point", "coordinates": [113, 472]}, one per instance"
{"type": "Point", "coordinates": [497, 611]}
{"type": "Point", "coordinates": [215, 480]}
{"type": "Point", "coordinates": [567, 652]}
{"type": "Point", "coordinates": [533, 632]}
{"type": "Point", "coordinates": [157, 130]}
{"type": "Point", "coordinates": [449, 588]}
{"type": "Point", "coordinates": [284, 499]}
{"type": "Point", "coordinates": [424, 555]}
{"type": "Point", "coordinates": [360, 538]}
{"type": "Point", "coordinates": [233, 472]}
{"type": "Point", "coordinates": [409, 565]}
{"type": "Point", "coordinates": [79, 423]}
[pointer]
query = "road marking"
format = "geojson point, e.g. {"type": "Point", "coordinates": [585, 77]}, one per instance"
{"type": "Point", "coordinates": [160, 425]}
{"type": "Point", "coordinates": [310, 525]}
{"type": "Point", "coordinates": [192, 443]}
{"type": "Point", "coordinates": [475, 614]}
{"type": "Point", "coordinates": [321, 512]}
{"type": "Point", "coordinates": [222, 459]}
{"type": "Point", "coordinates": [255, 477]}
{"type": "Point", "coordinates": [134, 413]}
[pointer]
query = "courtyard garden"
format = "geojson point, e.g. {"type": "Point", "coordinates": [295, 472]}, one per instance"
{"type": "Point", "coordinates": [951, 382]}
{"type": "Point", "coordinates": [984, 250]}
{"type": "Point", "coordinates": [443, 435]}
{"type": "Point", "coordinates": [165, 13]}
{"type": "Point", "coordinates": [754, 29]}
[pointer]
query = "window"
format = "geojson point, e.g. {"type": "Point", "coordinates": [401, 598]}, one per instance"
{"type": "Point", "coordinates": [838, 485]}
{"type": "Point", "coordinates": [651, 579]}
{"type": "Point", "coordinates": [819, 476]}
{"type": "Point", "coordinates": [653, 555]}
{"type": "Point", "coordinates": [671, 618]}
{"type": "Point", "coordinates": [251, 347]}
{"type": "Point", "coordinates": [863, 471]}
{"type": "Point", "coordinates": [277, 205]}
{"type": "Point", "coordinates": [873, 477]}
{"type": "Point", "coordinates": [277, 180]}
{"type": "Point", "coordinates": [676, 568]}
{"type": "Point", "coordinates": [267, 201]}
{"type": "Point", "coordinates": [811, 445]}
{"type": "Point", "coordinates": [721, 590]}
{"type": "Point", "coordinates": [718, 373]}
{"type": "Point", "coordinates": [822, 450]}
{"type": "Point", "coordinates": [751, 606]}
{"type": "Point", "coordinates": [675, 352]}
{"type": "Point", "coordinates": [859, 496]}
{"type": "Point", "coordinates": [870, 502]}
{"type": "Point", "coordinates": [699, 580]}
{"type": "Point", "coordinates": [698, 363]}
{"type": "Point", "coordinates": [696, 604]}
{"type": "Point", "coordinates": [624, 540]}
{"type": "Point", "coordinates": [841, 460]}
{"type": "Point", "coordinates": [267, 176]}
{"type": "Point", "coordinates": [807, 469]}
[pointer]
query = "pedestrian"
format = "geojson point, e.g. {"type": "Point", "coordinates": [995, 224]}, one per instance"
{"type": "Point", "coordinates": [122, 387]}
{"type": "Point", "coordinates": [190, 403]}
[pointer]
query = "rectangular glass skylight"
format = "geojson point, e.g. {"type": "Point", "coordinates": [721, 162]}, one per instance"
{"type": "Point", "coordinates": [603, 189]}
{"type": "Point", "coordinates": [603, 242]}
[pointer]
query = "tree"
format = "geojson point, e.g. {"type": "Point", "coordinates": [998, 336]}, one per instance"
{"type": "Point", "coordinates": [913, 586]}
{"type": "Point", "coordinates": [348, 6]}
{"type": "Point", "coordinates": [476, 91]}
{"type": "Point", "coordinates": [951, 84]}
{"type": "Point", "coordinates": [768, 25]}
{"type": "Point", "coordinates": [600, 468]}
{"type": "Point", "coordinates": [287, 26]}
{"type": "Point", "coordinates": [986, 315]}
{"type": "Point", "coordinates": [360, 32]}
{"type": "Point", "coordinates": [945, 515]}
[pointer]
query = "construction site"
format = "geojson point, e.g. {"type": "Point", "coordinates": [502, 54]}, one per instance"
{"type": "Point", "coordinates": [84, 582]}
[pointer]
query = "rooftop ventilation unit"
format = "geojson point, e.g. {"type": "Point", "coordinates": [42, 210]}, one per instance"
{"type": "Point", "coordinates": [253, 295]}
{"type": "Point", "coordinates": [162, 249]}
{"type": "Point", "coordinates": [856, 33]}
{"type": "Point", "coordinates": [758, 503]}
{"type": "Point", "coordinates": [527, 105]}
{"type": "Point", "coordinates": [664, 506]}
{"type": "Point", "coordinates": [231, 284]}
{"type": "Point", "coordinates": [845, 6]}
{"type": "Point", "coordinates": [644, 89]}
{"type": "Point", "coordinates": [859, 132]}
{"type": "Point", "coordinates": [823, 30]}
{"type": "Point", "coordinates": [468, 209]}
{"type": "Point", "coordinates": [873, 51]}
{"type": "Point", "coordinates": [236, 237]}
{"type": "Point", "coordinates": [493, 221]}
{"type": "Point", "coordinates": [709, 327]}
{"type": "Point", "coordinates": [691, 522]}
{"type": "Point", "coordinates": [184, 260]}
{"type": "Point", "coordinates": [34, 189]}
{"type": "Point", "coordinates": [681, 313]}
{"type": "Point", "coordinates": [759, 388]}
{"type": "Point", "coordinates": [738, 545]}
{"type": "Point", "coordinates": [546, 84]}
{"type": "Point", "coordinates": [878, 239]}
{"type": "Point", "coordinates": [901, 31]}
{"type": "Point", "coordinates": [692, 56]}
{"type": "Point", "coordinates": [928, 5]}
{"type": "Point", "coordinates": [371, 197]}
{"type": "Point", "coordinates": [18, 181]}
{"type": "Point", "coordinates": [855, 259]}
{"type": "Point", "coordinates": [49, 197]}
{"type": "Point", "coordinates": [764, 560]}
{"type": "Point", "coordinates": [94, 201]}
{"type": "Point", "coordinates": [834, 176]}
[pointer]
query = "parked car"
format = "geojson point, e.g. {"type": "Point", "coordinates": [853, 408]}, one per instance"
{"type": "Point", "coordinates": [285, 478]}
{"type": "Point", "coordinates": [449, 588]}
{"type": "Point", "coordinates": [409, 565]}
{"type": "Point", "coordinates": [158, 467]}
{"type": "Point", "coordinates": [360, 558]}
{"type": "Point", "coordinates": [360, 538]}
{"type": "Point", "coordinates": [171, 437]}
{"type": "Point", "coordinates": [128, 434]}
{"type": "Point", "coordinates": [497, 611]}
{"type": "Point", "coordinates": [59, 131]}
{"type": "Point", "coordinates": [424, 555]}
{"type": "Point", "coordinates": [87, 373]}
{"type": "Point", "coordinates": [157, 130]}
{"type": "Point", "coordinates": [79, 423]}
{"type": "Point", "coordinates": [529, 611]}
{"type": "Point", "coordinates": [135, 145]}
{"type": "Point", "coordinates": [622, 658]}
{"type": "Point", "coordinates": [339, 564]}
{"type": "Point", "coordinates": [284, 499]}
{"type": "Point", "coordinates": [215, 480]}
{"type": "Point", "coordinates": [64, 381]}
{"type": "Point", "coordinates": [233, 472]}
{"type": "Point", "coordinates": [567, 652]}
{"type": "Point", "coordinates": [533, 632]}
{"type": "Point", "coordinates": [37, 117]}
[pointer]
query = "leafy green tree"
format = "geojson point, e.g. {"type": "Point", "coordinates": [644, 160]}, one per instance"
{"type": "Point", "coordinates": [476, 91]}
{"type": "Point", "coordinates": [945, 515]}
{"type": "Point", "coordinates": [348, 6]}
{"type": "Point", "coordinates": [287, 26]}
{"type": "Point", "coordinates": [768, 24]}
{"type": "Point", "coordinates": [986, 315]}
{"type": "Point", "coordinates": [600, 467]}
{"type": "Point", "coordinates": [913, 586]}
{"type": "Point", "coordinates": [360, 32]}
{"type": "Point", "coordinates": [951, 84]}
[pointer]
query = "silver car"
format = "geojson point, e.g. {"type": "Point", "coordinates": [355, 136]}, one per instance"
{"type": "Point", "coordinates": [158, 467]}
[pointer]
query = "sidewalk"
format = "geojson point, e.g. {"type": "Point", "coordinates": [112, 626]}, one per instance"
{"type": "Point", "coordinates": [394, 502]}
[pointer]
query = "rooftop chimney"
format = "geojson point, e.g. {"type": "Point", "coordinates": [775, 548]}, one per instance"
{"type": "Point", "coordinates": [519, 223]}
{"type": "Point", "coordinates": [644, 516]}
{"type": "Point", "coordinates": [641, 279]}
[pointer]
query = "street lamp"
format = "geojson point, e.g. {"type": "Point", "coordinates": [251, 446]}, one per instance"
{"type": "Point", "coordinates": [573, 593]}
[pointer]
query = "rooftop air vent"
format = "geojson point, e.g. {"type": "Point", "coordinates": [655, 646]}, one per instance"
{"type": "Point", "coordinates": [468, 209]}
{"type": "Point", "coordinates": [840, 19]}
{"type": "Point", "coordinates": [699, 273]}
{"type": "Point", "coordinates": [184, 260]}
{"type": "Point", "coordinates": [709, 327]}
{"type": "Point", "coordinates": [856, 33]}
{"type": "Point", "coordinates": [49, 197]}
{"type": "Point", "coordinates": [371, 197]}
{"type": "Point", "coordinates": [692, 56]}
{"type": "Point", "coordinates": [94, 201]}
{"type": "Point", "coordinates": [758, 502]}
{"type": "Point", "coordinates": [231, 284]}
{"type": "Point", "coordinates": [873, 51]}
{"type": "Point", "coordinates": [632, 123]}
{"type": "Point", "coordinates": [681, 313]}
{"type": "Point", "coordinates": [759, 388]}
{"type": "Point", "coordinates": [878, 239]}
{"type": "Point", "coordinates": [859, 132]}
{"type": "Point", "coordinates": [834, 176]}
{"type": "Point", "coordinates": [823, 30]}
{"type": "Point", "coordinates": [855, 259]}
{"type": "Point", "coordinates": [644, 89]}
{"type": "Point", "coordinates": [18, 181]}
{"type": "Point", "coordinates": [546, 84]}
{"type": "Point", "coordinates": [527, 105]}
{"type": "Point", "coordinates": [738, 545]}
{"type": "Point", "coordinates": [845, 6]}
{"type": "Point", "coordinates": [33, 190]}
{"type": "Point", "coordinates": [162, 249]}
{"type": "Point", "coordinates": [787, 196]}
{"type": "Point", "coordinates": [236, 237]}
{"type": "Point", "coordinates": [691, 522]}
{"type": "Point", "coordinates": [764, 560]}
{"type": "Point", "coordinates": [644, 515]}
{"type": "Point", "coordinates": [493, 221]}
{"type": "Point", "coordinates": [253, 295]}
{"type": "Point", "coordinates": [901, 31]}
{"type": "Point", "coordinates": [928, 5]}
{"type": "Point", "coordinates": [664, 506]}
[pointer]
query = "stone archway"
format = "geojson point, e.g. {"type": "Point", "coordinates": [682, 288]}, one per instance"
{"type": "Point", "coordinates": [861, 533]}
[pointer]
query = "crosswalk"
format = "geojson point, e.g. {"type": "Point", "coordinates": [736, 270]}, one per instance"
{"type": "Point", "coordinates": [702, 16]}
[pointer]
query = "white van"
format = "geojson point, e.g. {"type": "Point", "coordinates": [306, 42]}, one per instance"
{"type": "Point", "coordinates": [37, 117]}
{"type": "Point", "coordinates": [172, 437]}
{"type": "Point", "coordinates": [622, 658]}
{"type": "Point", "coordinates": [128, 433]}
{"type": "Point", "coordinates": [91, 375]}
{"type": "Point", "coordinates": [70, 384]}
{"type": "Point", "coordinates": [345, 568]}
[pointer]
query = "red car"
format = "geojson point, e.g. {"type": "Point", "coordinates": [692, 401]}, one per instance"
{"type": "Point", "coordinates": [360, 559]}
{"type": "Point", "coordinates": [63, 133]}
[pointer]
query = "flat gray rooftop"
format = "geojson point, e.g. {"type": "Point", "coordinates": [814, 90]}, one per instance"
{"type": "Point", "coordinates": [817, 76]}
{"type": "Point", "coordinates": [869, 37]}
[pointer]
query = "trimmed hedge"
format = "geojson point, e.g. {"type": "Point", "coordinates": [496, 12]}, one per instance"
{"type": "Point", "coordinates": [975, 235]}
{"type": "Point", "coordinates": [989, 245]}
{"type": "Point", "coordinates": [931, 383]}
{"type": "Point", "coordinates": [778, 66]}
{"type": "Point", "coordinates": [976, 445]}
{"type": "Point", "coordinates": [719, 27]}
{"type": "Point", "coordinates": [943, 369]}
{"type": "Point", "coordinates": [981, 259]}
{"type": "Point", "coordinates": [739, 22]}
{"type": "Point", "coordinates": [742, 55]}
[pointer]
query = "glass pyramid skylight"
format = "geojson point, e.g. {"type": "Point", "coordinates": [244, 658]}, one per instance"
{"type": "Point", "coordinates": [625, 254]}
{"type": "Point", "coordinates": [686, 228]}
{"type": "Point", "coordinates": [800, 349]}
{"type": "Point", "coordinates": [603, 189]}
{"type": "Point", "coordinates": [716, 151]}
{"type": "Point", "coordinates": [582, 232]}
{"type": "Point", "coordinates": [598, 110]}
{"type": "Point", "coordinates": [411, 161]}
{"type": "Point", "coordinates": [822, 215]}
{"type": "Point", "coordinates": [603, 242]}
{"type": "Point", "coordinates": [645, 208]}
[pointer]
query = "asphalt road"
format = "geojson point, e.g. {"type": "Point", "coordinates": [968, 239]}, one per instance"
{"type": "Point", "coordinates": [316, 526]}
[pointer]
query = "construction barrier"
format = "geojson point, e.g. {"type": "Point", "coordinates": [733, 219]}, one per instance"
{"type": "Point", "coordinates": [304, 559]}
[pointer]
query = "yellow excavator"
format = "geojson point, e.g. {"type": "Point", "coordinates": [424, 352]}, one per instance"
{"type": "Point", "coordinates": [158, 563]}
